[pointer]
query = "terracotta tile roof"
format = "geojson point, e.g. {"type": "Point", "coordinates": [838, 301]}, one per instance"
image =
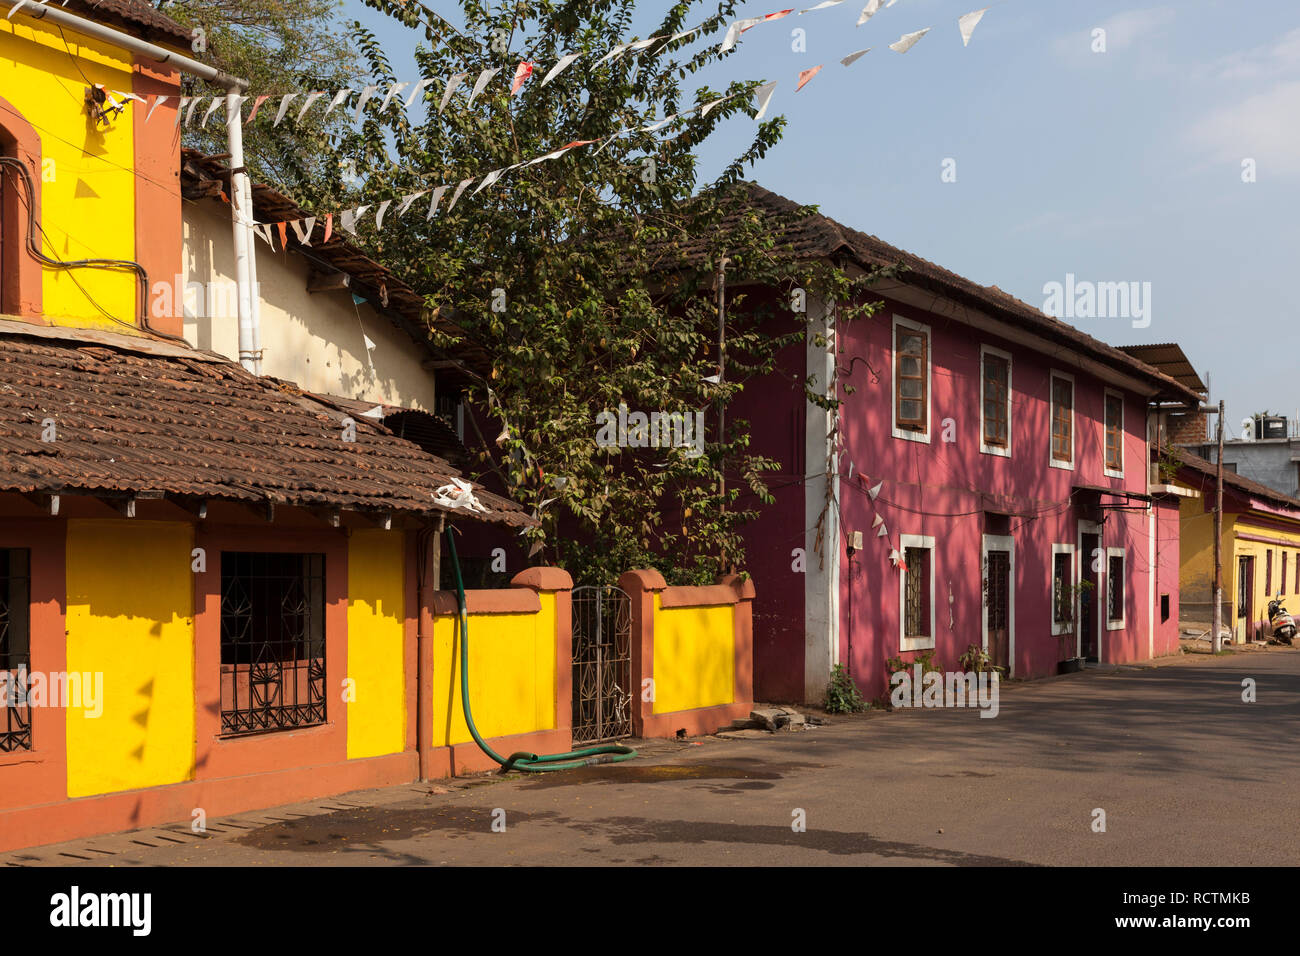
{"type": "Point", "coordinates": [1205, 472]}
{"type": "Point", "coordinates": [137, 416]}
{"type": "Point", "coordinates": [136, 17]}
{"type": "Point", "coordinates": [819, 236]}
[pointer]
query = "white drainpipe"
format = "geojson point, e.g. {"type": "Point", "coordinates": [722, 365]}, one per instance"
{"type": "Point", "coordinates": [241, 192]}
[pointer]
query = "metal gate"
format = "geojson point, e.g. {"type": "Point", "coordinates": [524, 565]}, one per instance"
{"type": "Point", "coordinates": [602, 663]}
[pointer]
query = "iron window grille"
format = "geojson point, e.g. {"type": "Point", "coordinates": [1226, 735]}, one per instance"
{"type": "Point", "coordinates": [916, 621]}
{"type": "Point", "coordinates": [15, 650]}
{"type": "Point", "coordinates": [272, 641]}
{"type": "Point", "coordinates": [1115, 588]}
{"type": "Point", "coordinates": [1062, 592]}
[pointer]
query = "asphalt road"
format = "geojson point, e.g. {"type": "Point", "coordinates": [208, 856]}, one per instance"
{"type": "Point", "coordinates": [1186, 772]}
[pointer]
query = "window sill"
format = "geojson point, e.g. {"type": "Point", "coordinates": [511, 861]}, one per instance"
{"type": "Point", "coordinates": [1063, 465]}
{"type": "Point", "coordinates": [1110, 473]}
{"type": "Point", "coordinates": [911, 436]}
{"type": "Point", "coordinates": [994, 450]}
{"type": "Point", "coordinates": [1114, 625]}
{"type": "Point", "coordinates": [916, 644]}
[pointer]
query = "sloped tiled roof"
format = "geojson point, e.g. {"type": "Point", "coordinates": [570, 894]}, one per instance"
{"type": "Point", "coordinates": [135, 17]}
{"type": "Point", "coordinates": [135, 416]}
{"type": "Point", "coordinates": [809, 236]}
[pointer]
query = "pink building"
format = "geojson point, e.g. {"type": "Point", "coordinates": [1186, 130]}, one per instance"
{"type": "Point", "coordinates": [993, 460]}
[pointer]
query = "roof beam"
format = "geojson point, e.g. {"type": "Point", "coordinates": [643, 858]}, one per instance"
{"type": "Point", "coordinates": [45, 502]}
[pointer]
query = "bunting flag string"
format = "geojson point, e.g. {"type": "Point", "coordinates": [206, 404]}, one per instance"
{"type": "Point", "coordinates": [350, 219]}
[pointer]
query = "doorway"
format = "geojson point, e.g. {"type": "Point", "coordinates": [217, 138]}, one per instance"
{"type": "Point", "coordinates": [999, 600]}
{"type": "Point", "coordinates": [1090, 593]}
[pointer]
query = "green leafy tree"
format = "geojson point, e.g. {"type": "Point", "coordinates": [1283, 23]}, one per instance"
{"type": "Point", "coordinates": [279, 46]}
{"type": "Point", "coordinates": [589, 280]}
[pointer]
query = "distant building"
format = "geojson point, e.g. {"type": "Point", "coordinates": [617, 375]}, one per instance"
{"type": "Point", "coordinates": [1271, 461]}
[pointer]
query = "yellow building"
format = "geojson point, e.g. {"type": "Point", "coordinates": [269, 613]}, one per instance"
{"type": "Point", "coordinates": [1260, 548]}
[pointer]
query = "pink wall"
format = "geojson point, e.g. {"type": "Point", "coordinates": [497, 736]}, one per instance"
{"type": "Point", "coordinates": [944, 489]}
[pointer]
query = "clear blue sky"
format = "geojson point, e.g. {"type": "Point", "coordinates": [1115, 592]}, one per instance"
{"type": "Point", "coordinates": [1117, 166]}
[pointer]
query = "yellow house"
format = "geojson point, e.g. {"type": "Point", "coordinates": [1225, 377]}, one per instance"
{"type": "Point", "coordinates": [214, 586]}
{"type": "Point", "coordinates": [1260, 547]}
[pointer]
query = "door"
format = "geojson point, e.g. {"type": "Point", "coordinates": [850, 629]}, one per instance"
{"type": "Point", "coordinates": [1089, 598]}
{"type": "Point", "coordinates": [1245, 589]}
{"type": "Point", "coordinates": [997, 600]}
{"type": "Point", "coordinates": [602, 664]}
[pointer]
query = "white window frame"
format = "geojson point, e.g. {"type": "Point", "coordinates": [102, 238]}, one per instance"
{"type": "Point", "coordinates": [1057, 628]}
{"type": "Point", "coordinates": [1118, 625]}
{"type": "Point", "coordinates": [995, 542]}
{"type": "Point", "coordinates": [1051, 418]}
{"type": "Point", "coordinates": [994, 449]}
{"type": "Point", "coordinates": [1112, 393]}
{"type": "Point", "coordinates": [904, 433]}
{"type": "Point", "coordinates": [906, 643]}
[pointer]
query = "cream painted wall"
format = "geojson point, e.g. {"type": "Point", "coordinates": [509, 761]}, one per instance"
{"type": "Point", "coordinates": [311, 338]}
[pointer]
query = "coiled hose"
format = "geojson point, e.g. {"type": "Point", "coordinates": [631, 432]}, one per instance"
{"type": "Point", "coordinates": [528, 762]}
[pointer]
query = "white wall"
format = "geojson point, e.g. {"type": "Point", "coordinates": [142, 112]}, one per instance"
{"type": "Point", "coordinates": [822, 572]}
{"type": "Point", "coordinates": [311, 338]}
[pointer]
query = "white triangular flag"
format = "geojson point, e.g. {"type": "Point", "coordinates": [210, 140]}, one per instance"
{"type": "Point", "coordinates": [488, 180]}
{"type": "Point", "coordinates": [304, 234]}
{"type": "Point", "coordinates": [895, 557]}
{"type": "Point", "coordinates": [237, 111]}
{"type": "Point", "coordinates": [483, 80]}
{"type": "Point", "coordinates": [406, 201]}
{"type": "Point", "coordinates": [284, 107]}
{"type": "Point", "coordinates": [366, 93]}
{"type": "Point", "coordinates": [735, 30]}
{"type": "Point", "coordinates": [907, 41]}
{"type": "Point", "coordinates": [456, 195]}
{"type": "Point", "coordinates": [708, 107]}
{"type": "Point", "coordinates": [369, 345]}
{"type": "Point", "coordinates": [853, 57]}
{"type": "Point", "coordinates": [349, 217]}
{"type": "Point", "coordinates": [437, 195]}
{"type": "Point", "coordinates": [869, 11]}
{"type": "Point", "coordinates": [685, 33]}
{"type": "Point", "coordinates": [822, 6]}
{"type": "Point", "coordinates": [654, 127]}
{"type": "Point", "coordinates": [263, 231]}
{"type": "Point", "coordinates": [762, 96]}
{"type": "Point", "coordinates": [452, 83]}
{"type": "Point", "coordinates": [560, 67]}
{"type": "Point", "coordinates": [378, 410]}
{"type": "Point", "coordinates": [180, 108]}
{"type": "Point", "coordinates": [339, 97]}
{"type": "Point", "coordinates": [393, 91]}
{"type": "Point", "coordinates": [379, 213]}
{"type": "Point", "coordinates": [14, 9]}
{"type": "Point", "coordinates": [311, 101]}
{"type": "Point", "coordinates": [189, 114]}
{"type": "Point", "coordinates": [640, 45]}
{"type": "Point", "coordinates": [968, 23]}
{"type": "Point", "coordinates": [878, 522]}
{"type": "Point", "coordinates": [216, 102]}
{"type": "Point", "coordinates": [876, 490]}
{"type": "Point", "coordinates": [613, 54]}
{"type": "Point", "coordinates": [156, 103]}
{"type": "Point", "coordinates": [415, 93]}
{"type": "Point", "coordinates": [882, 532]}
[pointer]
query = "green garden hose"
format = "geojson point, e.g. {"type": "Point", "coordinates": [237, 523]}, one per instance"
{"type": "Point", "coordinates": [531, 763]}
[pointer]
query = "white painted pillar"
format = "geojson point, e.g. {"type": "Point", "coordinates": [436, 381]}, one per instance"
{"type": "Point", "coordinates": [822, 577]}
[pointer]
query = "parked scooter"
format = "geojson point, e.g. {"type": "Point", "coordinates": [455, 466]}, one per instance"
{"type": "Point", "coordinates": [1280, 621]}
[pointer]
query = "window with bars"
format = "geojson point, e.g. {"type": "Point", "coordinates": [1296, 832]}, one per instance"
{"type": "Point", "coordinates": [911, 361]}
{"type": "Point", "coordinates": [996, 394]}
{"type": "Point", "coordinates": [1282, 577]}
{"type": "Point", "coordinates": [1062, 421]}
{"type": "Point", "coordinates": [1268, 571]}
{"type": "Point", "coordinates": [15, 649]}
{"type": "Point", "coordinates": [916, 610]}
{"type": "Point", "coordinates": [1114, 433]}
{"type": "Point", "coordinates": [272, 641]}
{"type": "Point", "coordinates": [1115, 589]}
{"type": "Point", "coordinates": [1063, 592]}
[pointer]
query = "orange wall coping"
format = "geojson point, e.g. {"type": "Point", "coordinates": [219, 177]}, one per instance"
{"type": "Point", "coordinates": [494, 601]}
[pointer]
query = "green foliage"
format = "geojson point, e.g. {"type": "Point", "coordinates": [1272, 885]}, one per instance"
{"type": "Point", "coordinates": [279, 46]}
{"type": "Point", "coordinates": [925, 658]}
{"type": "Point", "coordinates": [975, 660]}
{"type": "Point", "coordinates": [842, 695]}
{"type": "Point", "coordinates": [604, 302]}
